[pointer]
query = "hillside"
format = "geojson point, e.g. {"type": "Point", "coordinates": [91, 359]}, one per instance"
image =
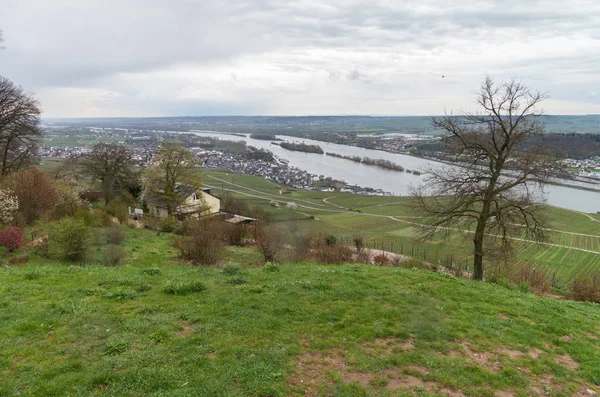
{"type": "Point", "coordinates": [571, 248]}
{"type": "Point", "coordinates": [158, 327]}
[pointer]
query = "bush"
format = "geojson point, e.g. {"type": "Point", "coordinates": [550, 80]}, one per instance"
{"type": "Point", "coordinates": [168, 225]}
{"type": "Point", "coordinates": [234, 234]}
{"type": "Point", "coordinates": [183, 288]}
{"type": "Point", "coordinates": [231, 269]}
{"type": "Point", "coordinates": [586, 288]}
{"type": "Point", "coordinates": [271, 267]}
{"type": "Point", "coordinates": [113, 255]}
{"type": "Point", "coordinates": [114, 235]}
{"type": "Point", "coordinates": [237, 280]}
{"type": "Point", "coordinates": [268, 240]}
{"type": "Point", "coordinates": [359, 243]}
{"type": "Point", "coordinates": [36, 193]}
{"type": "Point", "coordinates": [68, 201]}
{"type": "Point", "coordinates": [86, 216]}
{"type": "Point", "coordinates": [333, 254]}
{"type": "Point", "coordinates": [381, 260]}
{"type": "Point", "coordinates": [303, 247]}
{"type": "Point", "coordinates": [531, 278]}
{"type": "Point", "coordinates": [11, 238]}
{"type": "Point", "coordinates": [204, 243]}
{"type": "Point", "coordinates": [119, 208]}
{"type": "Point", "coordinates": [71, 236]}
{"type": "Point", "coordinates": [151, 271]}
{"type": "Point", "coordinates": [331, 240]}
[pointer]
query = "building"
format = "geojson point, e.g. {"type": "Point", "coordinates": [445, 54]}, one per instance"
{"type": "Point", "coordinates": [190, 201]}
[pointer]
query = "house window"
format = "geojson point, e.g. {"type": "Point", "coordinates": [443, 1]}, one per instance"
{"type": "Point", "coordinates": [195, 197]}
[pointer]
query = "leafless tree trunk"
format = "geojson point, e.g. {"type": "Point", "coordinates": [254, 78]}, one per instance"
{"type": "Point", "coordinates": [19, 127]}
{"type": "Point", "coordinates": [495, 190]}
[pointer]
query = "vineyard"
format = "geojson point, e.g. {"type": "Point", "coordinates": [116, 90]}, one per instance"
{"type": "Point", "coordinates": [571, 246]}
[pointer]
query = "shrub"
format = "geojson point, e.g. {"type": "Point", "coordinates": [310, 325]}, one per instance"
{"type": "Point", "coordinates": [381, 259]}
{"type": "Point", "coordinates": [204, 243]}
{"type": "Point", "coordinates": [119, 208]}
{"type": "Point", "coordinates": [237, 280]}
{"type": "Point", "coordinates": [302, 247]}
{"type": "Point", "coordinates": [113, 255]}
{"type": "Point", "coordinates": [333, 254]}
{"type": "Point", "coordinates": [586, 288]}
{"type": "Point", "coordinates": [71, 236]}
{"type": "Point", "coordinates": [234, 234]}
{"type": "Point", "coordinates": [271, 267]}
{"type": "Point", "coordinates": [68, 201]}
{"type": "Point", "coordinates": [86, 216]}
{"type": "Point", "coordinates": [152, 271]}
{"type": "Point", "coordinates": [183, 288]}
{"type": "Point", "coordinates": [114, 235]}
{"type": "Point", "coordinates": [268, 241]}
{"type": "Point", "coordinates": [532, 278]}
{"type": "Point", "coordinates": [359, 243]}
{"type": "Point", "coordinates": [9, 204]}
{"type": "Point", "coordinates": [331, 240]}
{"type": "Point", "coordinates": [231, 269]}
{"type": "Point", "coordinates": [168, 225]}
{"type": "Point", "coordinates": [41, 246]}
{"type": "Point", "coordinates": [11, 238]}
{"type": "Point", "coordinates": [35, 192]}
{"type": "Point", "coordinates": [274, 204]}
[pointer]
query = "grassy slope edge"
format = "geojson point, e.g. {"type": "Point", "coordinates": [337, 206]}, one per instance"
{"type": "Point", "coordinates": [158, 327]}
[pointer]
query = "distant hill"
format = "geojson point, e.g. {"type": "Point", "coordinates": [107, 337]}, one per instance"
{"type": "Point", "coordinates": [295, 125]}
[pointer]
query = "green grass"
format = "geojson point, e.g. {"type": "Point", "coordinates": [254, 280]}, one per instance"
{"type": "Point", "coordinates": [367, 216]}
{"type": "Point", "coordinates": [158, 327]}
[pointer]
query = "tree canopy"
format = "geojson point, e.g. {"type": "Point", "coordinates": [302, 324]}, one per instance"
{"type": "Point", "coordinates": [495, 191]}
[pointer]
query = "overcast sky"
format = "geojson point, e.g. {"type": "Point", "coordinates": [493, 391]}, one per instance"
{"type": "Point", "coordinates": [89, 58]}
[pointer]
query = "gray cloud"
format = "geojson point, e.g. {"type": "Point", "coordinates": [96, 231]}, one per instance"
{"type": "Point", "coordinates": [163, 57]}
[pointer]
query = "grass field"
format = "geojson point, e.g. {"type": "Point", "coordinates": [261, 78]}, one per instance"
{"type": "Point", "coordinates": [158, 327]}
{"type": "Point", "coordinates": [388, 223]}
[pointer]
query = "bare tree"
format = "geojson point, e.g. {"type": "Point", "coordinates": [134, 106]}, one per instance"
{"type": "Point", "coordinates": [20, 133]}
{"type": "Point", "coordinates": [494, 191]}
{"type": "Point", "coordinates": [110, 164]}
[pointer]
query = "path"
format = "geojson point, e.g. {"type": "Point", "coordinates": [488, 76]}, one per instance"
{"type": "Point", "coordinates": [258, 191]}
{"type": "Point", "coordinates": [393, 218]}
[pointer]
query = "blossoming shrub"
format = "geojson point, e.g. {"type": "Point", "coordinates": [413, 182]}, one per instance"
{"type": "Point", "coordinates": [11, 238]}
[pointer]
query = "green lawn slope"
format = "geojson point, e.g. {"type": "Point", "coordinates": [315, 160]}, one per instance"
{"type": "Point", "coordinates": [154, 326]}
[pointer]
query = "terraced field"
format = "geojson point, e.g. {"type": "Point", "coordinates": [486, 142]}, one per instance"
{"type": "Point", "coordinates": [572, 244]}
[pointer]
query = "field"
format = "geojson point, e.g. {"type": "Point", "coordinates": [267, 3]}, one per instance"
{"type": "Point", "coordinates": [154, 326]}
{"type": "Point", "coordinates": [572, 244]}
{"type": "Point", "coordinates": [83, 139]}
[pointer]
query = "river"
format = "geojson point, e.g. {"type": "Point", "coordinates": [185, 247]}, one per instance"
{"type": "Point", "coordinates": [398, 183]}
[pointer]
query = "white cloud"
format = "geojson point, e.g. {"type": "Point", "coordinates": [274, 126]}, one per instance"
{"type": "Point", "coordinates": [186, 57]}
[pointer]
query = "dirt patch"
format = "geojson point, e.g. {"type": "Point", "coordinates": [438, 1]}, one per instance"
{"type": "Point", "coordinates": [504, 393]}
{"type": "Point", "coordinates": [511, 353]}
{"type": "Point", "coordinates": [534, 353]}
{"type": "Point", "coordinates": [186, 329]}
{"type": "Point", "coordinates": [387, 346]}
{"type": "Point", "coordinates": [591, 336]}
{"type": "Point", "coordinates": [487, 360]}
{"type": "Point", "coordinates": [566, 338]}
{"type": "Point", "coordinates": [415, 369]}
{"type": "Point", "coordinates": [314, 369]}
{"type": "Point", "coordinates": [567, 361]}
{"type": "Point", "coordinates": [502, 316]}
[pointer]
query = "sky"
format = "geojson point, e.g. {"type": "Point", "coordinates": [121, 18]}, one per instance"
{"type": "Point", "coordinates": [117, 58]}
